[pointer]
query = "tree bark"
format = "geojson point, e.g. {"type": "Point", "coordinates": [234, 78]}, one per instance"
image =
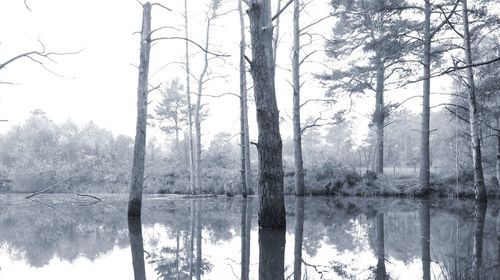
{"type": "Point", "coordinates": [137, 176]}
{"type": "Point", "coordinates": [299, 237]}
{"type": "Point", "coordinates": [425, 125]}
{"type": "Point", "coordinates": [379, 116]}
{"type": "Point", "coordinates": [137, 247]}
{"type": "Point", "coordinates": [243, 105]}
{"type": "Point", "coordinates": [297, 131]}
{"type": "Point", "coordinates": [479, 187]}
{"type": "Point", "coordinates": [272, 204]}
{"type": "Point", "coordinates": [192, 184]}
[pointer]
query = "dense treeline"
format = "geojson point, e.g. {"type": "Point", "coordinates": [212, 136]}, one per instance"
{"type": "Point", "coordinates": [40, 153]}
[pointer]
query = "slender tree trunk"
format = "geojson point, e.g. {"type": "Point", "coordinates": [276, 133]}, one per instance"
{"type": "Point", "coordinates": [272, 204]}
{"type": "Point", "coordinates": [299, 237]}
{"type": "Point", "coordinates": [137, 247]}
{"type": "Point", "coordinates": [480, 189]}
{"type": "Point", "coordinates": [137, 176]}
{"type": "Point", "coordinates": [477, 250]}
{"type": "Point", "coordinates": [425, 239]}
{"type": "Point", "coordinates": [425, 126]}
{"type": "Point", "coordinates": [381, 273]}
{"type": "Point", "coordinates": [246, 216]}
{"type": "Point", "coordinates": [192, 184]}
{"type": "Point", "coordinates": [197, 116]}
{"type": "Point", "coordinates": [276, 37]}
{"type": "Point", "coordinates": [379, 117]}
{"type": "Point", "coordinates": [297, 131]}
{"type": "Point", "coordinates": [271, 254]}
{"type": "Point", "coordinates": [243, 105]}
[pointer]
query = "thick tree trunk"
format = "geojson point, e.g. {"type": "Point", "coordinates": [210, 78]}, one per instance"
{"type": "Point", "coordinates": [480, 189]}
{"type": "Point", "coordinates": [246, 216]}
{"type": "Point", "coordinates": [297, 131]}
{"type": "Point", "coordinates": [381, 273]}
{"type": "Point", "coordinates": [379, 117]}
{"type": "Point", "coordinates": [243, 105]}
{"type": "Point", "coordinates": [425, 239]}
{"type": "Point", "coordinates": [299, 237]}
{"type": "Point", "coordinates": [477, 250]}
{"type": "Point", "coordinates": [272, 204]}
{"type": "Point", "coordinates": [271, 254]}
{"type": "Point", "coordinates": [137, 247]}
{"type": "Point", "coordinates": [137, 176]}
{"type": "Point", "coordinates": [425, 126]}
{"type": "Point", "coordinates": [197, 116]}
{"type": "Point", "coordinates": [192, 185]}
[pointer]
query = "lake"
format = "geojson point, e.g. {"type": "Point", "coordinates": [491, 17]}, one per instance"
{"type": "Point", "coordinates": [64, 236]}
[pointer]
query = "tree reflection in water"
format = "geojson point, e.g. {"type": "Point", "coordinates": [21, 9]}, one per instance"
{"type": "Point", "coordinates": [137, 247]}
{"type": "Point", "coordinates": [271, 254]}
{"type": "Point", "coordinates": [331, 238]}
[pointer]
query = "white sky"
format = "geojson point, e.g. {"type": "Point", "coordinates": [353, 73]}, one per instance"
{"type": "Point", "coordinates": [99, 84]}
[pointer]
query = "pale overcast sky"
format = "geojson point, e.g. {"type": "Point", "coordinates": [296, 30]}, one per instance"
{"type": "Point", "coordinates": [99, 84]}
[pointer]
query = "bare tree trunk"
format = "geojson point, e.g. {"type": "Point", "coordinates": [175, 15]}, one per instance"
{"type": "Point", "coordinates": [137, 176]}
{"type": "Point", "coordinates": [299, 237]}
{"type": "Point", "coordinates": [190, 110]}
{"type": "Point", "coordinates": [272, 204]}
{"type": "Point", "coordinates": [243, 105]}
{"type": "Point", "coordinates": [425, 126]}
{"type": "Point", "coordinates": [137, 247]}
{"type": "Point", "coordinates": [197, 116]}
{"type": "Point", "coordinates": [297, 131]}
{"type": "Point", "coordinates": [379, 117]}
{"type": "Point", "coordinates": [480, 190]}
{"type": "Point", "coordinates": [425, 239]}
{"type": "Point", "coordinates": [276, 37]}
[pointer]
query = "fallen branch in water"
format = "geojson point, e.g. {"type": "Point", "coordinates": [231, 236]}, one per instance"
{"type": "Point", "coordinates": [91, 196]}
{"type": "Point", "coordinates": [47, 189]}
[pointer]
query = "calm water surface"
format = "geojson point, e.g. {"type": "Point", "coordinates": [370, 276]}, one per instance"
{"type": "Point", "coordinates": [64, 237]}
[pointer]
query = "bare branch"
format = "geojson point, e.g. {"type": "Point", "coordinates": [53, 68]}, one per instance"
{"type": "Point", "coordinates": [282, 10]}
{"type": "Point", "coordinates": [26, 5]}
{"type": "Point", "coordinates": [190, 41]}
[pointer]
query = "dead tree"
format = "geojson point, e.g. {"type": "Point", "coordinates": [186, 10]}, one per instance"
{"type": "Point", "coordinates": [297, 131]}
{"type": "Point", "coordinates": [137, 176]}
{"type": "Point", "coordinates": [244, 131]}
